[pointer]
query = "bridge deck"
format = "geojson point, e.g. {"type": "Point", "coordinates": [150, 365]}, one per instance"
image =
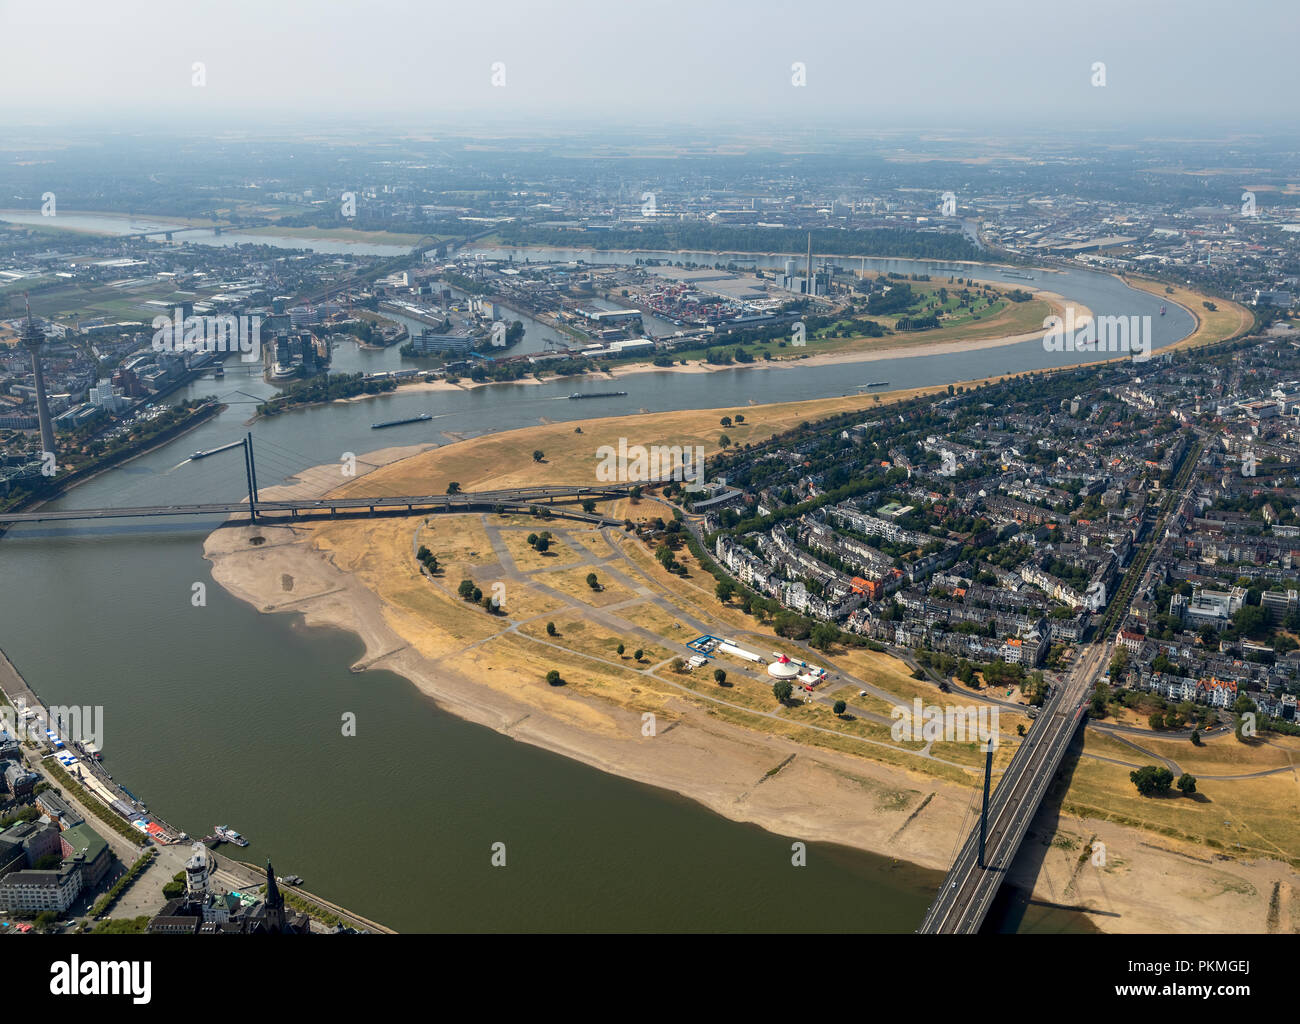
{"type": "Point", "coordinates": [968, 889]}
{"type": "Point", "coordinates": [468, 500]}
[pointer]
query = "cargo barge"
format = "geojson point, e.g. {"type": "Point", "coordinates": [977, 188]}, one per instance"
{"type": "Point", "coordinates": [203, 454]}
{"type": "Point", "coordinates": [397, 423]}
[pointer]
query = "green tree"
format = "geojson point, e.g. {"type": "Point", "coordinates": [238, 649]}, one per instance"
{"type": "Point", "coordinates": [840, 707]}
{"type": "Point", "coordinates": [550, 629]}
{"type": "Point", "coordinates": [1187, 783]}
{"type": "Point", "coordinates": [1118, 663]}
{"type": "Point", "coordinates": [636, 655]}
{"type": "Point", "coordinates": [592, 581]}
{"type": "Point", "coordinates": [553, 678]}
{"type": "Point", "coordinates": [466, 590]}
{"type": "Point", "coordinates": [1100, 695]}
{"type": "Point", "coordinates": [782, 690]}
{"type": "Point", "coordinates": [719, 676]}
{"type": "Point", "coordinates": [453, 488]}
{"type": "Point", "coordinates": [792, 625]}
{"type": "Point", "coordinates": [823, 635]}
{"type": "Point", "coordinates": [1252, 620]}
{"type": "Point", "coordinates": [538, 455]}
{"type": "Point", "coordinates": [543, 544]}
{"type": "Point", "coordinates": [621, 648]}
{"type": "Point", "coordinates": [724, 590]}
{"type": "Point", "coordinates": [122, 925]}
{"type": "Point", "coordinates": [1152, 780]}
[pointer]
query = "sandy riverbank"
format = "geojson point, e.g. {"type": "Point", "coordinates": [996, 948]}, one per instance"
{"type": "Point", "coordinates": [1150, 884]}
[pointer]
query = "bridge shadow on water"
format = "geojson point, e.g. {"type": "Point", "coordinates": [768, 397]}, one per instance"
{"type": "Point", "coordinates": [82, 528]}
{"type": "Point", "coordinates": [1014, 908]}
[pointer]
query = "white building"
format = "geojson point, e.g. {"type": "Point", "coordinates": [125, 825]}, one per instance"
{"type": "Point", "coordinates": [104, 396]}
{"type": "Point", "coordinates": [1213, 606]}
{"type": "Point", "coordinates": [35, 891]}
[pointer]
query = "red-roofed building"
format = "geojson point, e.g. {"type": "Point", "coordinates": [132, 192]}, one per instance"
{"type": "Point", "coordinates": [1130, 640]}
{"type": "Point", "coordinates": [1219, 693]}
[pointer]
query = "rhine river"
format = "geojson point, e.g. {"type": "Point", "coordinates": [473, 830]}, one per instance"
{"type": "Point", "coordinates": [222, 715]}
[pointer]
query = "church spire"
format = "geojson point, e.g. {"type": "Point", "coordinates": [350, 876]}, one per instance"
{"type": "Point", "coordinates": [274, 901]}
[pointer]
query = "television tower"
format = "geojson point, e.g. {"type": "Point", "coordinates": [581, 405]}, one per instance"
{"type": "Point", "coordinates": [33, 339]}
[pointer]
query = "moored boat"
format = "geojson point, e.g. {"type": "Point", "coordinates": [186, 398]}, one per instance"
{"type": "Point", "coordinates": [228, 835]}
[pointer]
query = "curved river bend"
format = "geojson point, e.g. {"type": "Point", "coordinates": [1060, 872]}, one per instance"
{"type": "Point", "coordinates": [222, 714]}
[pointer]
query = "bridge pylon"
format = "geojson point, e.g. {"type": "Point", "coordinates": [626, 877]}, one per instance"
{"type": "Point", "coordinates": [984, 811]}
{"type": "Point", "coordinates": [250, 471]}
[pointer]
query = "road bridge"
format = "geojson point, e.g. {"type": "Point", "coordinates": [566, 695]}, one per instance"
{"type": "Point", "coordinates": [514, 498]}
{"type": "Point", "coordinates": [969, 887]}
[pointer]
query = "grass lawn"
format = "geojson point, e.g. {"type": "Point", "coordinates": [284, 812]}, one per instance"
{"type": "Point", "coordinates": [1245, 816]}
{"type": "Point", "coordinates": [527, 558]}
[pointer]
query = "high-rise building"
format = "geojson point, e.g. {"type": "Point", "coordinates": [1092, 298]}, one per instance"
{"type": "Point", "coordinates": [33, 339]}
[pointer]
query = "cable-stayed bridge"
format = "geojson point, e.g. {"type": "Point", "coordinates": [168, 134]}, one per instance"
{"type": "Point", "coordinates": [256, 509]}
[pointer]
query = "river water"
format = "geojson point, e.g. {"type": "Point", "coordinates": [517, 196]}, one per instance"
{"type": "Point", "coordinates": [222, 715]}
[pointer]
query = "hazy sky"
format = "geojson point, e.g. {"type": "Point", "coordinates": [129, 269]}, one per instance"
{"type": "Point", "coordinates": [905, 62]}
